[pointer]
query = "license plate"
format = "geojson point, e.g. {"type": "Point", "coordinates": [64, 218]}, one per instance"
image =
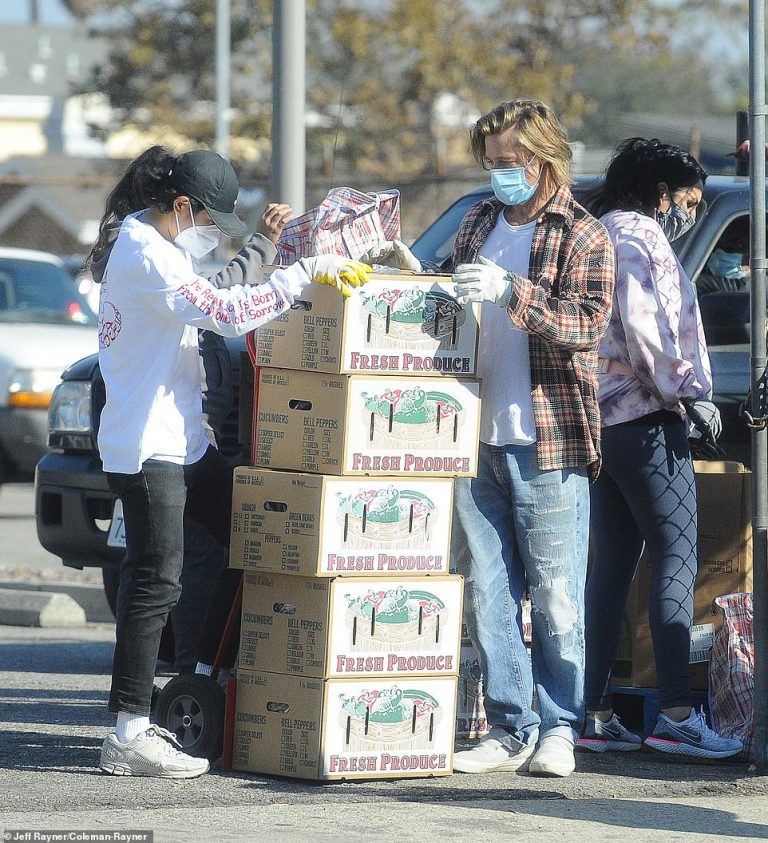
{"type": "Point", "coordinates": [116, 536]}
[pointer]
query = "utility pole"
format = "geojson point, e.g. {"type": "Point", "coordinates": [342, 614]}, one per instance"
{"type": "Point", "coordinates": [288, 101]}
{"type": "Point", "coordinates": [223, 76]}
{"type": "Point", "coordinates": [757, 263]}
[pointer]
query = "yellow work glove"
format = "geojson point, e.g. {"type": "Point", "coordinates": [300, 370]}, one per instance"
{"type": "Point", "coordinates": [336, 271]}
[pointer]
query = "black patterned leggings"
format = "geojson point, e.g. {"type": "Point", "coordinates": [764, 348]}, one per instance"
{"type": "Point", "coordinates": [646, 493]}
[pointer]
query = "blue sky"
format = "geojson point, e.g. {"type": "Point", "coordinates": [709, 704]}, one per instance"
{"type": "Point", "coordinates": [51, 12]}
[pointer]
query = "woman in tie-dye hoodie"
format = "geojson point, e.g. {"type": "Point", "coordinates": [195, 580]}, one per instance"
{"type": "Point", "coordinates": [654, 375]}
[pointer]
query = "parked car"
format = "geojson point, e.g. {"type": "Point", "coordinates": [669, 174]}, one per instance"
{"type": "Point", "coordinates": [45, 326]}
{"type": "Point", "coordinates": [81, 275]}
{"type": "Point", "coordinates": [725, 313]}
{"type": "Point", "coordinates": [74, 506]}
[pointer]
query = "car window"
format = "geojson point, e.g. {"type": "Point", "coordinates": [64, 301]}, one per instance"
{"type": "Point", "coordinates": [726, 267]}
{"type": "Point", "coordinates": [435, 245]}
{"type": "Point", "coordinates": [723, 285]}
{"type": "Point", "coordinates": [33, 291]}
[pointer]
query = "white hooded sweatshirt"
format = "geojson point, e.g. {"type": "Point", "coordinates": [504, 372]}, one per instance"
{"type": "Point", "coordinates": [151, 305]}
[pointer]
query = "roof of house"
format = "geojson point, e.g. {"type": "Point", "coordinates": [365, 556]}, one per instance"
{"type": "Point", "coordinates": [71, 191]}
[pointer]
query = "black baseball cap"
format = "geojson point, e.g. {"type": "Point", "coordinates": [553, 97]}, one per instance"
{"type": "Point", "coordinates": [204, 175]}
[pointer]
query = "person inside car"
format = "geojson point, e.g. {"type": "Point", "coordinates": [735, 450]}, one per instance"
{"type": "Point", "coordinates": [727, 267]}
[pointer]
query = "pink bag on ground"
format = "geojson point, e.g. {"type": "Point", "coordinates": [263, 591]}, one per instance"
{"type": "Point", "coordinates": [732, 672]}
{"type": "Point", "coordinates": [347, 223]}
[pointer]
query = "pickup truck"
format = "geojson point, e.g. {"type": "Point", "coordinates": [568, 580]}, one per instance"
{"type": "Point", "coordinates": [74, 506]}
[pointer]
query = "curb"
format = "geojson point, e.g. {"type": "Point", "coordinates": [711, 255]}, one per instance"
{"type": "Point", "coordinates": [39, 608]}
{"type": "Point", "coordinates": [89, 597]}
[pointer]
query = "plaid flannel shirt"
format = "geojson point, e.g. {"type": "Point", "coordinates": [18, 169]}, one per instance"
{"type": "Point", "coordinates": [564, 308]}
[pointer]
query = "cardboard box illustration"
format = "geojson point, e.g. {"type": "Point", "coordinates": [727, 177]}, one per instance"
{"type": "Point", "coordinates": [471, 721]}
{"type": "Point", "coordinates": [397, 323]}
{"type": "Point", "coordinates": [323, 627]}
{"type": "Point", "coordinates": [342, 728]}
{"type": "Point", "coordinates": [358, 424]}
{"type": "Point", "coordinates": [315, 525]}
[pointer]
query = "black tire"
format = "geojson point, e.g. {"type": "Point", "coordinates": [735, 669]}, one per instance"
{"type": "Point", "coordinates": [192, 707]}
{"type": "Point", "coordinates": [110, 576]}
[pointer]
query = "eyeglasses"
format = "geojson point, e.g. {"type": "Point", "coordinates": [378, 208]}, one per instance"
{"type": "Point", "coordinates": [512, 163]}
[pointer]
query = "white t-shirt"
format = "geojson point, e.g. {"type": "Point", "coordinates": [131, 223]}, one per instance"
{"type": "Point", "coordinates": [507, 410]}
{"type": "Point", "coordinates": [150, 307]}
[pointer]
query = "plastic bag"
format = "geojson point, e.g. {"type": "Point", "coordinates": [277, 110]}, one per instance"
{"type": "Point", "coordinates": [347, 223]}
{"type": "Point", "coordinates": [732, 672]}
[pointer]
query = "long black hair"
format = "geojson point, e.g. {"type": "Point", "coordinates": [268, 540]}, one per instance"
{"type": "Point", "coordinates": [632, 178]}
{"type": "Point", "coordinates": [145, 184]}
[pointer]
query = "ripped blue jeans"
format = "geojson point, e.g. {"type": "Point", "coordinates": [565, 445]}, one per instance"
{"type": "Point", "coordinates": [515, 525]}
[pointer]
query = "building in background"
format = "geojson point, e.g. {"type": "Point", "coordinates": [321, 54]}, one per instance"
{"type": "Point", "coordinates": [54, 202]}
{"type": "Point", "coordinates": [54, 174]}
{"type": "Point", "coordinates": [59, 154]}
{"type": "Point", "coordinates": [42, 70]}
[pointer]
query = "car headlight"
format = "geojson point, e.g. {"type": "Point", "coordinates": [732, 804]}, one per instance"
{"type": "Point", "coordinates": [32, 388]}
{"type": "Point", "coordinates": [69, 416]}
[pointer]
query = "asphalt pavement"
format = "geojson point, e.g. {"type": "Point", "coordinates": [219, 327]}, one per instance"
{"type": "Point", "coordinates": [53, 717]}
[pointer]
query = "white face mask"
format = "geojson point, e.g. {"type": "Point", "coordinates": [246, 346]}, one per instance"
{"type": "Point", "coordinates": [198, 240]}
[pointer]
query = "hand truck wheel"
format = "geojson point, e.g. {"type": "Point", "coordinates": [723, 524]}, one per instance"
{"type": "Point", "coordinates": [192, 707]}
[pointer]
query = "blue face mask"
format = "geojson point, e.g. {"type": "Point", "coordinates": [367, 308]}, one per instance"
{"type": "Point", "coordinates": [510, 187]}
{"type": "Point", "coordinates": [724, 264]}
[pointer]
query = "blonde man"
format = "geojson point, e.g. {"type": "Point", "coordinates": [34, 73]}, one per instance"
{"type": "Point", "coordinates": [544, 269]}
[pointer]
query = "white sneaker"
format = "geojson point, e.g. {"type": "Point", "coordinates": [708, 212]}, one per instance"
{"type": "Point", "coordinates": [490, 755]}
{"type": "Point", "coordinates": [553, 757]}
{"type": "Point", "coordinates": [152, 753]}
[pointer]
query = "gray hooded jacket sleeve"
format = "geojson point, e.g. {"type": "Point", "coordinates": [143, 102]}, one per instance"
{"type": "Point", "coordinates": [247, 267]}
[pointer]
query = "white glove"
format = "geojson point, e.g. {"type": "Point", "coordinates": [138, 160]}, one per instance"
{"type": "Point", "coordinates": [483, 281]}
{"type": "Point", "coordinates": [702, 413]}
{"type": "Point", "coordinates": [392, 253]}
{"type": "Point", "coordinates": [336, 271]}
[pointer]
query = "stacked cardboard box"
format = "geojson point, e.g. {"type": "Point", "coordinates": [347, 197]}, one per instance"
{"type": "Point", "coordinates": [364, 411]}
{"type": "Point", "coordinates": [471, 719]}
